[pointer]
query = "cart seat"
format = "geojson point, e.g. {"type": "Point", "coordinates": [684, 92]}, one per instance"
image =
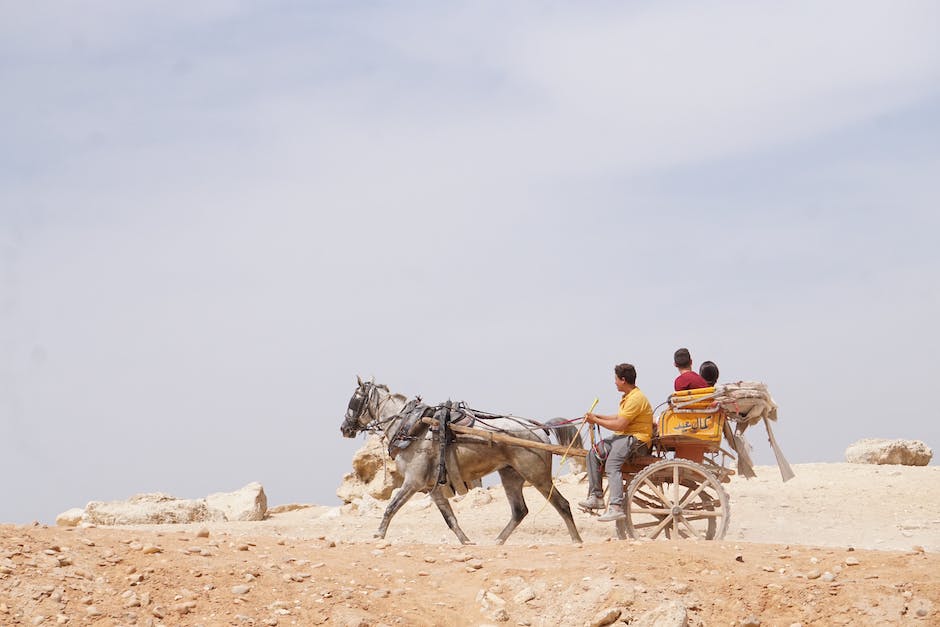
{"type": "Point", "coordinates": [692, 425]}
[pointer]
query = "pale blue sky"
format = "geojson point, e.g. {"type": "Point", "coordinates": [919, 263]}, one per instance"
{"type": "Point", "coordinates": [213, 218]}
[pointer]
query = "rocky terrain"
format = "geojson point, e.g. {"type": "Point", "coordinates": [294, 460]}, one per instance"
{"type": "Point", "coordinates": [841, 544]}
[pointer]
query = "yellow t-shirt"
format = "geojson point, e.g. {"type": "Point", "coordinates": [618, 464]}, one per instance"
{"type": "Point", "coordinates": [635, 407]}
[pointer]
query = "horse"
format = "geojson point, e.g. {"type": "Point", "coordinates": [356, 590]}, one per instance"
{"type": "Point", "coordinates": [373, 407]}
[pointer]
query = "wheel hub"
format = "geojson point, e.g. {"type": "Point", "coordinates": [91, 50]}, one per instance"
{"type": "Point", "coordinates": [676, 510]}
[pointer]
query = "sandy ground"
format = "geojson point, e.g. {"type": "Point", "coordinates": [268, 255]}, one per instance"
{"type": "Point", "coordinates": [840, 544]}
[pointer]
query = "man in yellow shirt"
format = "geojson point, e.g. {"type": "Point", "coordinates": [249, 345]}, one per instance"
{"type": "Point", "coordinates": [632, 428]}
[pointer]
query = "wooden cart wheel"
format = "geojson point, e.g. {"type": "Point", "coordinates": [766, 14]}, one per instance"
{"type": "Point", "coordinates": [678, 498]}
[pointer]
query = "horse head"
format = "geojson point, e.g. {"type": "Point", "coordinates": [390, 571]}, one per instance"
{"type": "Point", "coordinates": [358, 412]}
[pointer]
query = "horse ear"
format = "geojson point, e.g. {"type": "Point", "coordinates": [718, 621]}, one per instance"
{"type": "Point", "coordinates": [359, 379]}
{"type": "Point", "coordinates": [372, 380]}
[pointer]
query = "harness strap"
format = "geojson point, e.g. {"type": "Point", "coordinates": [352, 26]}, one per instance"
{"type": "Point", "coordinates": [443, 417]}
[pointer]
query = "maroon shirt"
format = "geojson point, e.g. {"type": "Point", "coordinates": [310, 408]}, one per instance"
{"type": "Point", "coordinates": [690, 381]}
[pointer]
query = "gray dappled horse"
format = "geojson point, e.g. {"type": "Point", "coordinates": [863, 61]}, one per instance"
{"type": "Point", "coordinates": [373, 407]}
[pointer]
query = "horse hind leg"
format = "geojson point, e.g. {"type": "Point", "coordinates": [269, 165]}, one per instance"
{"type": "Point", "coordinates": [448, 513]}
{"type": "Point", "coordinates": [512, 485]}
{"type": "Point", "coordinates": [559, 502]}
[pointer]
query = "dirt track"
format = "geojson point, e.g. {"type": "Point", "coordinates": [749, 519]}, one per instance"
{"type": "Point", "coordinates": [319, 565]}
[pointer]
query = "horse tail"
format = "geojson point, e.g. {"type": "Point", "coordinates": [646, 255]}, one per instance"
{"type": "Point", "coordinates": [565, 432]}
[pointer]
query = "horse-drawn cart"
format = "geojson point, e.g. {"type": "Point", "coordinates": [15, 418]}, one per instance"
{"type": "Point", "coordinates": [675, 491]}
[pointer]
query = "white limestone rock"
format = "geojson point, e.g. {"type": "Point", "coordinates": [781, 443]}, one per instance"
{"type": "Point", "coordinates": [374, 473]}
{"type": "Point", "coordinates": [668, 614]}
{"type": "Point", "coordinates": [884, 451]}
{"type": "Point", "coordinates": [70, 518]}
{"type": "Point", "coordinates": [248, 503]}
{"type": "Point", "coordinates": [153, 508]}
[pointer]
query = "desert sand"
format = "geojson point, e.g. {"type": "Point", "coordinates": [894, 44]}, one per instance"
{"type": "Point", "coordinates": [841, 544]}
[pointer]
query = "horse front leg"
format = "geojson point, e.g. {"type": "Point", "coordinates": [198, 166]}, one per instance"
{"type": "Point", "coordinates": [512, 485]}
{"type": "Point", "coordinates": [406, 492]}
{"type": "Point", "coordinates": [448, 513]}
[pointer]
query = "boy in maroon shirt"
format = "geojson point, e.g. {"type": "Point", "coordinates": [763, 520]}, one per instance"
{"type": "Point", "coordinates": [687, 379]}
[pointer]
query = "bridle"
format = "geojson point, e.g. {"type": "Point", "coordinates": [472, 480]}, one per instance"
{"type": "Point", "coordinates": [365, 402]}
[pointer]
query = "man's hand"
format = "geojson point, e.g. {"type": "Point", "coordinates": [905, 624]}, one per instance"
{"type": "Point", "coordinates": [591, 418]}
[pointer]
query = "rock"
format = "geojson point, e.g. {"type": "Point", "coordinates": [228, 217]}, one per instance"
{"type": "Point", "coordinates": [289, 507]}
{"type": "Point", "coordinates": [605, 617]}
{"type": "Point", "coordinates": [491, 600]}
{"type": "Point", "coordinates": [70, 518]}
{"type": "Point", "coordinates": [241, 589]}
{"type": "Point", "coordinates": [366, 505]}
{"type": "Point", "coordinates": [479, 497]}
{"type": "Point", "coordinates": [183, 608]}
{"type": "Point", "coordinates": [149, 509]}
{"type": "Point", "coordinates": [524, 596]}
{"type": "Point", "coordinates": [374, 473]}
{"type": "Point", "coordinates": [668, 614]}
{"type": "Point", "coordinates": [248, 503]}
{"type": "Point", "coordinates": [500, 615]}
{"type": "Point", "coordinates": [883, 451]}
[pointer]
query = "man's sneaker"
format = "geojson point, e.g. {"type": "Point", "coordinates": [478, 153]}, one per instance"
{"type": "Point", "coordinates": [592, 502]}
{"type": "Point", "coordinates": [614, 512]}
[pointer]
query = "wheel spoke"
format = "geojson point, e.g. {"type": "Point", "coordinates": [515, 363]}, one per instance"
{"type": "Point", "coordinates": [702, 515]}
{"type": "Point", "coordinates": [651, 510]}
{"type": "Point", "coordinates": [662, 525]}
{"type": "Point", "coordinates": [696, 492]}
{"type": "Point", "coordinates": [647, 495]}
{"type": "Point", "coordinates": [675, 484]}
{"type": "Point", "coordinates": [643, 502]}
{"type": "Point", "coordinates": [658, 493]}
{"type": "Point", "coordinates": [689, 527]}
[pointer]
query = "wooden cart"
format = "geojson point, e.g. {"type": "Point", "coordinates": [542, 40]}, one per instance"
{"type": "Point", "coordinates": [676, 491]}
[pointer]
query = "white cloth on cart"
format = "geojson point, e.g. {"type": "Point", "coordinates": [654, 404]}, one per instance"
{"type": "Point", "coordinates": [747, 403]}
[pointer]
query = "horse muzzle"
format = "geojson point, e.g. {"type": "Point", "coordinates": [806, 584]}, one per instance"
{"type": "Point", "coordinates": [349, 429]}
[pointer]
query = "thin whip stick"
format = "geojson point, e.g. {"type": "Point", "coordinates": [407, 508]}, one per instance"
{"type": "Point", "coordinates": [548, 498]}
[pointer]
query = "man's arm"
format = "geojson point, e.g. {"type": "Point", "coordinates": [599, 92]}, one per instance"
{"type": "Point", "coordinates": [613, 423]}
